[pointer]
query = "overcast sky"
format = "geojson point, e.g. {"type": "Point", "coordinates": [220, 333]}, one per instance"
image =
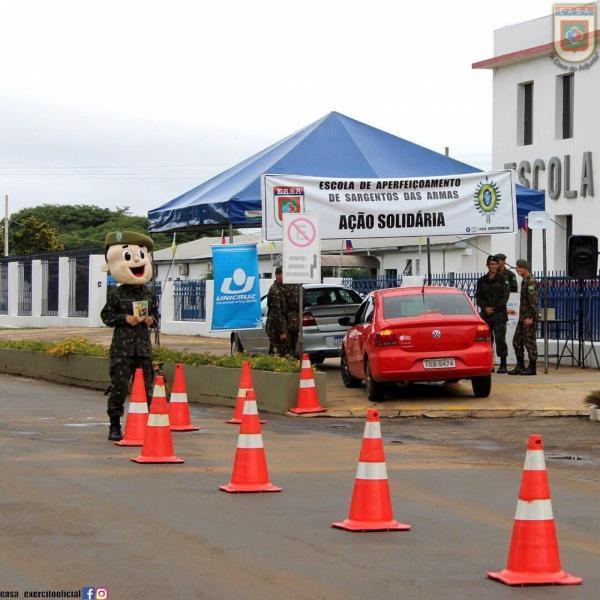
{"type": "Point", "coordinates": [132, 103]}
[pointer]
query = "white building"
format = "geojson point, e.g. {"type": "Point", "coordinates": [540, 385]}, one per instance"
{"type": "Point", "coordinates": [546, 125]}
{"type": "Point", "coordinates": [378, 257]}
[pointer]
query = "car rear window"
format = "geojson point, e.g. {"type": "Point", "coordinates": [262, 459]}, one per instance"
{"type": "Point", "coordinates": [414, 305]}
{"type": "Point", "coordinates": [330, 296]}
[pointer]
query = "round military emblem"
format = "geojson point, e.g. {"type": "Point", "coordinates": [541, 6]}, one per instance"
{"type": "Point", "coordinates": [436, 333]}
{"type": "Point", "coordinates": [487, 199]}
{"type": "Point", "coordinates": [119, 236]}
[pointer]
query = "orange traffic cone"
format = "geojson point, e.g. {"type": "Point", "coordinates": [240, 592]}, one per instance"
{"type": "Point", "coordinates": [158, 442]}
{"type": "Point", "coordinates": [371, 505]}
{"type": "Point", "coordinates": [245, 386]}
{"type": "Point", "coordinates": [533, 558]}
{"type": "Point", "coordinates": [179, 409]}
{"type": "Point", "coordinates": [308, 400]}
{"type": "Point", "coordinates": [137, 414]}
{"type": "Point", "coordinates": [250, 464]}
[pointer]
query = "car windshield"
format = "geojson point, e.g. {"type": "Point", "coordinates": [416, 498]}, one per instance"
{"type": "Point", "coordinates": [330, 296]}
{"type": "Point", "coordinates": [414, 305]}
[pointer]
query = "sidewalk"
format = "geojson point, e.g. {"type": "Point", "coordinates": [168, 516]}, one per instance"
{"type": "Point", "coordinates": [560, 393]}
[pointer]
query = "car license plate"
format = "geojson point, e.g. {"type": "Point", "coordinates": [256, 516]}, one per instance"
{"type": "Point", "coordinates": [439, 363]}
{"type": "Point", "coordinates": [337, 340]}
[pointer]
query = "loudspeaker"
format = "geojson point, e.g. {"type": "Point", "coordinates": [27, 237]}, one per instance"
{"type": "Point", "coordinates": [582, 256]}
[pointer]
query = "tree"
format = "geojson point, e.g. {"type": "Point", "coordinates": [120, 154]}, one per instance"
{"type": "Point", "coordinates": [85, 226]}
{"type": "Point", "coordinates": [32, 236]}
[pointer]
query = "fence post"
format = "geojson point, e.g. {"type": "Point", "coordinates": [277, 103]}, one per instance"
{"type": "Point", "coordinates": [96, 289]}
{"type": "Point", "coordinates": [167, 302]}
{"type": "Point", "coordinates": [210, 288]}
{"type": "Point", "coordinates": [63, 286]}
{"type": "Point", "coordinates": [36, 288]}
{"type": "Point", "coordinates": [13, 289]}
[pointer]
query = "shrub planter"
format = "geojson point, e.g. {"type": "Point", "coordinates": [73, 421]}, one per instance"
{"type": "Point", "coordinates": [276, 392]}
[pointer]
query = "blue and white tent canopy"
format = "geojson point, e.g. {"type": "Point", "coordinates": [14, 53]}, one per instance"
{"type": "Point", "coordinates": [334, 146]}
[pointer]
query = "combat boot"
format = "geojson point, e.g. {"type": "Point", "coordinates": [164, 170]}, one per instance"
{"type": "Point", "coordinates": [519, 367]}
{"type": "Point", "coordinates": [502, 368]}
{"type": "Point", "coordinates": [531, 370]}
{"type": "Point", "coordinates": [114, 433]}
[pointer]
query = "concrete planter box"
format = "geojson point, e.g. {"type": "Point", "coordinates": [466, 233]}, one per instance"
{"type": "Point", "coordinates": [594, 414]}
{"type": "Point", "coordinates": [276, 392]}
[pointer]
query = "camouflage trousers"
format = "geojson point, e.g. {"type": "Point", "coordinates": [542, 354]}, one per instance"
{"type": "Point", "coordinates": [525, 337]}
{"type": "Point", "coordinates": [498, 331]}
{"type": "Point", "coordinates": [121, 372]}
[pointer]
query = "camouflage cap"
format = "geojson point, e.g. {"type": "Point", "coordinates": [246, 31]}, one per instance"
{"type": "Point", "coordinates": [523, 264]}
{"type": "Point", "coordinates": [128, 237]}
{"type": "Point", "coordinates": [500, 256]}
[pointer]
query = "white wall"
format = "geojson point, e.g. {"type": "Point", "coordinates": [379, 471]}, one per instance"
{"type": "Point", "coordinates": [96, 296]}
{"type": "Point", "coordinates": [586, 129]}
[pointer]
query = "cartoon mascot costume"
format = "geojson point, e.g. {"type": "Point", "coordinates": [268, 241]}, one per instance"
{"type": "Point", "coordinates": [132, 310]}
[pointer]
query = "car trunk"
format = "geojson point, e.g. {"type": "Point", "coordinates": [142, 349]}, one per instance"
{"type": "Point", "coordinates": [417, 335]}
{"type": "Point", "coordinates": [326, 317]}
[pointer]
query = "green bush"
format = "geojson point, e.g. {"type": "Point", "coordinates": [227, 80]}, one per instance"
{"type": "Point", "coordinates": [83, 347]}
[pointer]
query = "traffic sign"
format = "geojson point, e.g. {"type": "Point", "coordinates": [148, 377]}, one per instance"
{"type": "Point", "coordinates": [301, 249]}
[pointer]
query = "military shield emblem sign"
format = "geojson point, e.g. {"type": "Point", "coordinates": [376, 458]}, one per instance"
{"type": "Point", "coordinates": [287, 200]}
{"type": "Point", "coordinates": [574, 31]}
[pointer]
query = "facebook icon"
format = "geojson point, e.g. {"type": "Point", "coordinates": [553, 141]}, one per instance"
{"type": "Point", "coordinates": [88, 593]}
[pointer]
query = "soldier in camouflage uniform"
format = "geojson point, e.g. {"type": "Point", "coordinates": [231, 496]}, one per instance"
{"type": "Point", "coordinates": [525, 334]}
{"type": "Point", "coordinates": [277, 311]}
{"type": "Point", "coordinates": [493, 290]}
{"type": "Point", "coordinates": [292, 295]}
{"type": "Point", "coordinates": [128, 260]}
{"type": "Point", "coordinates": [510, 276]}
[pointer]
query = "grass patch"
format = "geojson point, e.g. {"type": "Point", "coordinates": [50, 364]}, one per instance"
{"type": "Point", "coordinates": [83, 347]}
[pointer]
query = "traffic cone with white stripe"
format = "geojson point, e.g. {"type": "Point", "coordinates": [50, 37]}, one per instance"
{"type": "Point", "coordinates": [533, 558]}
{"type": "Point", "coordinates": [371, 505]}
{"type": "Point", "coordinates": [179, 409]}
{"type": "Point", "coordinates": [250, 472]}
{"type": "Point", "coordinates": [245, 386]}
{"type": "Point", "coordinates": [137, 414]}
{"type": "Point", "coordinates": [308, 400]}
{"type": "Point", "coordinates": [158, 442]}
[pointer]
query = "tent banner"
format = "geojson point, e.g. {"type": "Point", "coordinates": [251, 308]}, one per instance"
{"type": "Point", "coordinates": [236, 298]}
{"type": "Point", "coordinates": [475, 203]}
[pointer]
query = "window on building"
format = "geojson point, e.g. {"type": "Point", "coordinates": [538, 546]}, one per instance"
{"type": "Point", "coordinates": [391, 273]}
{"type": "Point", "coordinates": [564, 106]}
{"type": "Point", "coordinates": [417, 266]}
{"type": "Point", "coordinates": [408, 269]}
{"type": "Point", "coordinates": [525, 114]}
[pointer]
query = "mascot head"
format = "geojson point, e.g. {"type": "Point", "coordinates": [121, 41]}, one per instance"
{"type": "Point", "coordinates": [127, 256]}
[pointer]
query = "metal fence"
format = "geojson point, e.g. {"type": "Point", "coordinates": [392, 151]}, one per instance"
{"type": "Point", "coordinates": [190, 300]}
{"type": "Point", "coordinates": [3, 289]}
{"type": "Point", "coordinates": [570, 298]}
{"type": "Point", "coordinates": [79, 276]}
{"type": "Point", "coordinates": [50, 287]}
{"type": "Point", "coordinates": [24, 305]}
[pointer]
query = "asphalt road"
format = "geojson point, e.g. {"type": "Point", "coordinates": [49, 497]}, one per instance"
{"type": "Point", "coordinates": [74, 511]}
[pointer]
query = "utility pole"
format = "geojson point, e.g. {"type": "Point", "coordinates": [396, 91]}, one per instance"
{"type": "Point", "coordinates": [6, 225]}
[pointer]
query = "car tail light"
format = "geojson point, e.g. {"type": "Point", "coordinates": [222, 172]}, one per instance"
{"type": "Point", "coordinates": [386, 337]}
{"type": "Point", "coordinates": [308, 320]}
{"type": "Point", "coordinates": [483, 334]}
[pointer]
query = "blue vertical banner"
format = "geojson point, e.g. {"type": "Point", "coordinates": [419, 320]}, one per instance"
{"type": "Point", "coordinates": [236, 297]}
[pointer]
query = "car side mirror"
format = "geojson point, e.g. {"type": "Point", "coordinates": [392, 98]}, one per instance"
{"type": "Point", "coordinates": [346, 321]}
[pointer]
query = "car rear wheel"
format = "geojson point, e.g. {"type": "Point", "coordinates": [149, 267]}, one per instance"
{"type": "Point", "coordinates": [375, 389]}
{"type": "Point", "coordinates": [482, 386]}
{"type": "Point", "coordinates": [349, 381]}
{"type": "Point", "coordinates": [236, 345]}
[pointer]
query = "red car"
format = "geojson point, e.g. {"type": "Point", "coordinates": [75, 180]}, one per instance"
{"type": "Point", "coordinates": [416, 334]}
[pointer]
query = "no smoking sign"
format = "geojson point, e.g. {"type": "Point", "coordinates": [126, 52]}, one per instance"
{"type": "Point", "coordinates": [301, 249]}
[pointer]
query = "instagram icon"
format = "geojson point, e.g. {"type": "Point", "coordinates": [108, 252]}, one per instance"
{"type": "Point", "coordinates": [90, 593]}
